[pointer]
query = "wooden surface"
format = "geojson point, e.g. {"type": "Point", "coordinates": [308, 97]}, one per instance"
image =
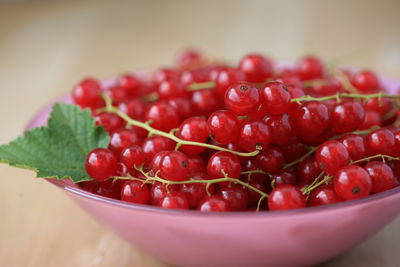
{"type": "Point", "coordinates": [48, 46]}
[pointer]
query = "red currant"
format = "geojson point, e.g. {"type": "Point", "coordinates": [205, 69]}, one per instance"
{"type": "Point", "coordinates": [347, 116]}
{"type": "Point", "coordinates": [122, 139]}
{"type": "Point", "coordinates": [135, 192]}
{"type": "Point", "coordinates": [365, 82]}
{"type": "Point", "coordinates": [307, 170]}
{"type": "Point", "coordinates": [235, 195]}
{"type": "Point", "coordinates": [213, 204]}
{"type": "Point", "coordinates": [311, 119]}
{"type": "Point", "coordinates": [331, 156]}
{"type": "Point", "coordinates": [162, 116]}
{"type": "Point", "coordinates": [352, 182]}
{"type": "Point", "coordinates": [270, 160]}
{"type": "Point", "coordinates": [323, 195]}
{"type": "Point", "coordinates": [254, 134]}
{"type": "Point", "coordinates": [310, 68]}
{"type": "Point", "coordinates": [285, 197]}
{"type": "Point", "coordinates": [132, 157]}
{"type": "Point", "coordinates": [355, 146]}
{"type": "Point", "coordinates": [223, 127]}
{"type": "Point", "coordinates": [226, 78]}
{"type": "Point", "coordinates": [382, 176]}
{"type": "Point", "coordinates": [174, 166]}
{"type": "Point", "coordinates": [281, 128]}
{"type": "Point", "coordinates": [101, 164]}
{"type": "Point", "coordinates": [223, 161]}
{"type": "Point", "coordinates": [380, 141]}
{"type": "Point", "coordinates": [256, 68]}
{"type": "Point", "coordinates": [275, 98]}
{"type": "Point", "coordinates": [174, 200]}
{"type": "Point", "coordinates": [193, 129]}
{"type": "Point", "coordinates": [87, 94]}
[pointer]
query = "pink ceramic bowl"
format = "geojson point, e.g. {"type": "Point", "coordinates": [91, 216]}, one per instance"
{"type": "Point", "coordinates": [283, 238]}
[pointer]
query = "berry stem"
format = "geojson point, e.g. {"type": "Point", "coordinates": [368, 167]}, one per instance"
{"type": "Point", "coordinates": [307, 190]}
{"type": "Point", "coordinates": [381, 156]}
{"type": "Point", "coordinates": [309, 153]}
{"type": "Point", "coordinates": [145, 125]}
{"type": "Point", "coordinates": [338, 96]}
{"type": "Point", "coordinates": [201, 86]}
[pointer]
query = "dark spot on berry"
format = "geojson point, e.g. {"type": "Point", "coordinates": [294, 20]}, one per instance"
{"type": "Point", "coordinates": [285, 88]}
{"type": "Point", "coordinates": [244, 88]}
{"type": "Point", "coordinates": [322, 165]}
{"type": "Point", "coordinates": [355, 190]}
{"type": "Point", "coordinates": [212, 136]}
{"type": "Point", "coordinates": [184, 164]}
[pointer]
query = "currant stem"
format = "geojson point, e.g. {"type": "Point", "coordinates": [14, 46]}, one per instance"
{"type": "Point", "coordinates": [381, 156]}
{"type": "Point", "coordinates": [307, 190]}
{"type": "Point", "coordinates": [338, 96]}
{"type": "Point", "coordinates": [145, 125]}
{"type": "Point", "coordinates": [201, 86]}
{"type": "Point", "coordinates": [309, 153]}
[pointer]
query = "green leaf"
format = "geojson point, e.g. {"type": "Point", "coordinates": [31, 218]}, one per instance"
{"type": "Point", "coordinates": [60, 149]}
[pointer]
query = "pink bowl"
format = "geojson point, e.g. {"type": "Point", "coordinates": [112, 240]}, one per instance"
{"type": "Point", "coordinates": [284, 238]}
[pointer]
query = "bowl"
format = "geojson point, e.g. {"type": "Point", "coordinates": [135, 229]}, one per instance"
{"type": "Point", "coordinates": [300, 237]}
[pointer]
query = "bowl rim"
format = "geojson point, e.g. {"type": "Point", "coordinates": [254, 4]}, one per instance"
{"type": "Point", "coordinates": [241, 214]}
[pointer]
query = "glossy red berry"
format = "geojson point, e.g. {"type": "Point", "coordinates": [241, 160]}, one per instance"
{"type": "Point", "coordinates": [331, 156]}
{"type": "Point", "coordinates": [122, 139]}
{"type": "Point", "coordinates": [271, 159]}
{"type": "Point", "coordinates": [223, 161]}
{"type": "Point", "coordinates": [371, 119]}
{"type": "Point", "coordinates": [106, 188]}
{"type": "Point", "coordinates": [223, 127]}
{"type": "Point", "coordinates": [365, 82]}
{"type": "Point", "coordinates": [294, 149]}
{"type": "Point", "coordinates": [162, 116]}
{"type": "Point", "coordinates": [135, 192]}
{"type": "Point", "coordinates": [285, 197]}
{"type": "Point", "coordinates": [307, 170]}
{"type": "Point", "coordinates": [352, 182]}
{"type": "Point", "coordinates": [174, 166]}
{"type": "Point", "coordinates": [134, 108]}
{"type": "Point", "coordinates": [275, 97]}
{"type": "Point", "coordinates": [347, 116]}
{"type": "Point", "coordinates": [254, 134]}
{"type": "Point", "coordinates": [183, 105]}
{"type": "Point", "coordinates": [282, 177]}
{"type": "Point", "coordinates": [164, 75]}
{"type": "Point", "coordinates": [380, 141]}
{"type": "Point", "coordinates": [310, 68]}
{"type": "Point", "coordinates": [253, 196]}
{"type": "Point", "coordinates": [235, 195]}
{"type": "Point", "coordinates": [381, 106]}
{"type": "Point", "coordinates": [213, 204]}
{"type": "Point", "coordinates": [110, 121]}
{"type": "Point", "coordinates": [174, 200]}
{"type": "Point", "coordinates": [204, 102]}
{"type": "Point", "coordinates": [130, 84]}
{"type": "Point", "coordinates": [87, 94]}
{"type": "Point", "coordinates": [101, 164]}
{"type": "Point", "coordinates": [256, 68]}
{"type": "Point", "coordinates": [155, 144]}
{"type": "Point", "coordinates": [242, 98]}
{"type": "Point", "coordinates": [323, 195]}
{"type": "Point", "coordinates": [188, 59]}
{"type": "Point", "coordinates": [193, 129]}
{"type": "Point", "coordinates": [281, 128]}
{"type": "Point", "coordinates": [382, 176]}
{"type": "Point", "coordinates": [171, 89]}
{"type": "Point", "coordinates": [156, 161]}
{"type": "Point", "coordinates": [132, 157]}
{"type": "Point", "coordinates": [196, 165]}
{"type": "Point", "coordinates": [195, 192]}
{"type": "Point", "coordinates": [311, 119]}
{"type": "Point", "coordinates": [227, 77]}
{"type": "Point", "coordinates": [159, 191]}
{"type": "Point", "coordinates": [355, 146]}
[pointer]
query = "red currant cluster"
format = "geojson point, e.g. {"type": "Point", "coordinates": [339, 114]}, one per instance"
{"type": "Point", "coordinates": [213, 137]}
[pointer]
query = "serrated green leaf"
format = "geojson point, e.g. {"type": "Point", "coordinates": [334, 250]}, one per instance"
{"type": "Point", "coordinates": [60, 149]}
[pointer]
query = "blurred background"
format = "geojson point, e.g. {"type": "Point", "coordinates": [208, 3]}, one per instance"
{"type": "Point", "coordinates": [48, 46]}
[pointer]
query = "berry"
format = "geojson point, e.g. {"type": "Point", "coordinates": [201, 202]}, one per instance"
{"type": "Point", "coordinates": [381, 107]}
{"type": "Point", "coordinates": [223, 127]}
{"type": "Point", "coordinates": [111, 122]}
{"type": "Point", "coordinates": [188, 59]}
{"type": "Point", "coordinates": [134, 108]}
{"type": "Point", "coordinates": [331, 156]}
{"type": "Point", "coordinates": [323, 195]}
{"type": "Point", "coordinates": [183, 105]}
{"type": "Point", "coordinates": [130, 84]}
{"type": "Point", "coordinates": [155, 144]}
{"type": "Point", "coordinates": [227, 77]}
{"type": "Point", "coordinates": [159, 191]}
{"type": "Point", "coordinates": [135, 192]}
{"type": "Point", "coordinates": [275, 98]}
{"type": "Point", "coordinates": [132, 157]}
{"type": "Point", "coordinates": [171, 89]}
{"type": "Point", "coordinates": [347, 116]}
{"type": "Point", "coordinates": [174, 166]}
{"type": "Point", "coordinates": [284, 177]}
{"type": "Point", "coordinates": [223, 161]}
{"type": "Point", "coordinates": [256, 68]}
{"type": "Point", "coordinates": [270, 160]}
{"type": "Point", "coordinates": [381, 176]}
{"type": "Point", "coordinates": [242, 98]}
{"type": "Point", "coordinates": [352, 182]}
{"type": "Point", "coordinates": [355, 146]}
{"type": "Point", "coordinates": [380, 141]}
{"type": "Point", "coordinates": [174, 200]}
{"type": "Point", "coordinates": [164, 75]}
{"type": "Point", "coordinates": [365, 82]}
{"type": "Point", "coordinates": [307, 170]}
{"type": "Point", "coordinates": [253, 196]}
{"type": "Point", "coordinates": [235, 195]}
{"type": "Point", "coordinates": [87, 94]}
{"type": "Point", "coordinates": [193, 129]}
{"type": "Point", "coordinates": [204, 102]}
{"type": "Point", "coordinates": [281, 128]}
{"type": "Point", "coordinates": [285, 197]}
{"type": "Point", "coordinates": [371, 119]}
{"type": "Point", "coordinates": [254, 134]}
{"type": "Point", "coordinates": [310, 68]}
{"type": "Point", "coordinates": [311, 119]}
{"type": "Point", "coordinates": [195, 192]}
{"type": "Point", "coordinates": [105, 188]}
{"type": "Point", "coordinates": [122, 139]}
{"type": "Point", "coordinates": [162, 116]}
{"type": "Point", "coordinates": [294, 149]}
{"type": "Point", "coordinates": [101, 164]}
{"type": "Point", "coordinates": [156, 161]}
{"type": "Point", "coordinates": [213, 204]}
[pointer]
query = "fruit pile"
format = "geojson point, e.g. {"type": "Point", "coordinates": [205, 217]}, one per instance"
{"type": "Point", "coordinates": [213, 137]}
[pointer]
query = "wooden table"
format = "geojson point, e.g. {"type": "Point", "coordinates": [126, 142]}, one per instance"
{"type": "Point", "coordinates": [48, 46]}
